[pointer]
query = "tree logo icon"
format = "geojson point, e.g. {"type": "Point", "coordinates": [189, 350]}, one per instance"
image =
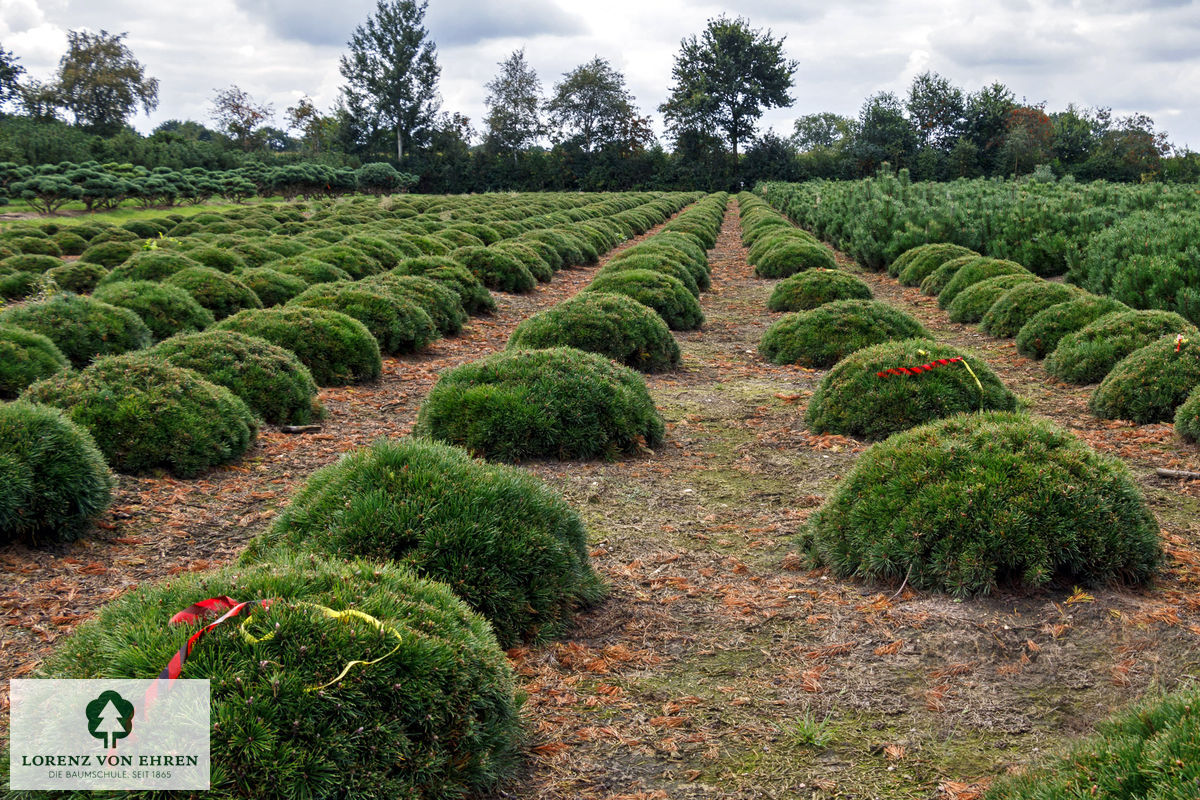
{"type": "Point", "coordinates": [110, 717]}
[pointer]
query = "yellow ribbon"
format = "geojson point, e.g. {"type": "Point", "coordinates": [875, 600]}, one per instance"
{"type": "Point", "coordinates": [977, 383]}
{"type": "Point", "coordinates": [329, 612]}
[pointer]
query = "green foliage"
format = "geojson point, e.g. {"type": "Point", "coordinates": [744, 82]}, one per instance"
{"type": "Point", "coordinates": [218, 258]}
{"type": "Point", "coordinates": [25, 357]}
{"type": "Point", "coordinates": [654, 263]}
{"type": "Point", "coordinates": [815, 287]}
{"type": "Point", "coordinates": [350, 259]}
{"type": "Point", "coordinates": [440, 302]}
{"type": "Point", "coordinates": [435, 720]}
{"type": "Point", "coordinates": [662, 293]}
{"type": "Point", "coordinates": [69, 243]}
{"type": "Point", "coordinates": [310, 270]}
{"type": "Point", "coordinates": [77, 276]}
{"type": "Point", "coordinates": [1150, 383]}
{"type": "Point", "coordinates": [1041, 334]}
{"type": "Point", "coordinates": [925, 260]}
{"type": "Point", "coordinates": [937, 280]}
{"type": "Point", "coordinates": [30, 263]}
{"type": "Point", "coordinates": [166, 310]}
{"type": "Point", "coordinates": [968, 502]}
{"type": "Point", "coordinates": [18, 285]}
{"type": "Point", "coordinates": [823, 336]}
{"type": "Point", "coordinates": [1019, 305]}
{"type": "Point", "coordinates": [1088, 354]}
{"type": "Point", "coordinates": [792, 257]}
{"type": "Point", "coordinates": [108, 254]}
{"type": "Point", "coordinates": [398, 324]}
{"type": "Point", "coordinates": [496, 270]}
{"type": "Point", "coordinates": [81, 327]}
{"type": "Point", "coordinates": [612, 325]}
{"type": "Point", "coordinates": [221, 294]}
{"type": "Point", "coordinates": [538, 267]}
{"type": "Point", "coordinates": [853, 400]}
{"type": "Point", "coordinates": [336, 348]}
{"type": "Point", "coordinates": [974, 272]}
{"type": "Point", "coordinates": [273, 288]}
{"type": "Point", "coordinates": [53, 480]}
{"type": "Point", "coordinates": [149, 265]}
{"type": "Point", "coordinates": [268, 379]}
{"type": "Point", "coordinates": [973, 302]}
{"type": "Point", "coordinates": [500, 538]}
{"type": "Point", "coordinates": [1187, 417]}
{"type": "Point", "coordinates": [147, 415]}
{"type": "Point", "coordinates": [473, 295]}
{"type": "Point", "coordinates": [561, 403]}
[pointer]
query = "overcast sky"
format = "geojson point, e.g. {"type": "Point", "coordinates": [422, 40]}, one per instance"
{"type": "Point", "coordinates": [1132, 56]}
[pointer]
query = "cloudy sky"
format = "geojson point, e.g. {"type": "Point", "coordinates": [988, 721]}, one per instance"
{"type": "Point", "coordinates": [1129, 55]}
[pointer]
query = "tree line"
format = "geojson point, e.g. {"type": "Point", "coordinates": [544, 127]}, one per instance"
{"type": "Point", "coordinates": [585, 132]}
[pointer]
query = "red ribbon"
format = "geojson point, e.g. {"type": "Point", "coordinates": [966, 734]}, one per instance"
{"type": "Point", "coordinates": [941, 362]}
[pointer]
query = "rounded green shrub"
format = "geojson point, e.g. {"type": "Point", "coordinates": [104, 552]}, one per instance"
{"type": "Point", "coordinates": [26, 357]}
{"type": "Point", "coordinates": [30, 263]}
{"type": "Point", "coordinates": [769, 239]}
{"type": "Point", "coordinates": [1017, 306]}
{"type": "Point", "coordinates": [81, 327]}
{"type": "Point", "coordinates": [654, 263]}
{"type": "Point", "coordinates": [336, 348]}
{"type": "Point", "coordinates": [930, 257]}
{"type": "Point", "coordinates": [473, 295]}
{"type": "Point", "coordinates": [937, 280]}
{"type": "Point", "coordinates": [853, 399]}
{"type": "Point", "coordinates": [1088, 354]}
{"type": "Point", "coordinates": [1149, 384]}
{"type": "Point", "coordinates": [792, 257]}
{"type": "Point", "coordinates": [310, 270]}
{"type": "Point", "coordinates": [398, 324]}
{"type": "Point", "coordinates": [823, 336]}
{"type": "Point", "coordinates": [34, 245]}
{"type": "Point", "coordinates": [146, 414]}
{"type": "Point", "coordinates": [671, 299]}
{"type": "Point", "coordinates": [166, 310]}
{"type": "Point", "coordinates": [144, 228]}
{"type": "Point", "coordinates": [559, 403]}
{"type": "Point", "coordinates": [109, 254]}
{"type": "Point", "coordinates": [268, 379]}
{"type": "Point", "coordinates": [500, 538]}
{"type": "Point", "coordinates": [19, 285]}
{"type": "Point", "coordinates": [219, 258]}
{"type": "Point", "coordinates": [149, 265]}
{"type": "Point", "coordinates": [652, 252]}
{"type": "Point", "coordinates": [71, 244]}
{"type": "Point", "coordinates": [349, 259]}
{"type": "Point", "coordinates": [53, 480]}
{"type": "Point", "coordinates": [1041, 334]}
{"type": "Point", "coordinates": [272, 287]}
{"type": "Point", "coordinates": [1187, 417]}
{"type": "Point", "coordinates": [612, 325]}
{"type": "Point", "coordinates": [568, 252]}
{"type": "Point", "coordinates": [496, 270]}
{"type": "Point", "coordinates": [383, 253]}
{"type": "Point", "coordinates": [221, 294]}
{"type": "Point", "coordinates": [975, 272]}
{"type": "Point", "coordinates": [965, 503]}
{"type": "Point", "coordinates": [80, 277]}
{"type": "Point", "coordinates": [440, 302]}
{"type": "Point", "coordinates": [816, 287]}
{"type": "Point", "coordinates": [434, 719]}
{"type": "Point", "coordinates": [973, 302]}
{"type": "Point", "coordinates": [115, 234]}
{"type": "Point", "coordinates": [538, 267]}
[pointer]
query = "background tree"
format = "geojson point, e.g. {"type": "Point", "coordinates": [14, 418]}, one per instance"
{"type": "Point", "coordinates": [591, 106]}
{"type": "Point", "coordinates": [240, 117]}
{"type": "Point", "coordinates": [39, 101]}
{"type": "Point", "coordinates": [10, 78]}
{"type": "Point", "coordinates": [1028, 134]}
{"type": "Point", "coordinates": [986, 122]}
{"type": "Point", "coordinates": [936, 108]}
{"type": "Point", "coordinates": [825, 129]}
{"type": "Point", "coordinates": [884, 134]}
{"type": "Point", "coordinates": [725, 79]}
{"type": "Point", "coordinates": [514, 98]}
{"type": "Point", "coordinates": [306, 119]}
{"type": "Point", "coordinates": [392, 71]}
{"type": "Point", "coordinates": [101, 83]}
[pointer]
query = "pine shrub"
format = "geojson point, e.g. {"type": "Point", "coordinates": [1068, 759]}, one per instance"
{"type": "Point", "coordinates": [853, 400]}
{"type": "Point", "coordinates": [792, 257]}
{"type": "Point", "coordinates": [336, 348]}
{"type": "Point", "coordinates": [399, 325]}
{"type": "Point", "coordinates": [310, 270]}
{"type": "Point", "coordinates": [221, 294]}
{"type": "Point", "coordinates": [1041, 334]}
{"type": "Point", "coordinates": [654, 263]}
{"type": "Point", "coordinates": [500, 538]}
{"type": "Point", "coordinates": [927, 260]}
{"type": "Point", "coordinates": [435, 720]}
{"type": "Point", "coordinates": [560, 403]}
{"type": "Point", "coordinates": [937, 280]}
{"type": "Point", "coordinates": [30, 263]}
{"type": "Point", "coordinates": [965, 503]}
{"type": "Point", "coordinates": [272, 287]}
{"type": "Point", "coordinates": [108, 254]}
{"type": "Point", "coordinates": [771, 239]}
{"type": "Point", "coordinates": [166, 310]}
{"type": "Point", "coordinates": [440, 302]}
{"type": "Point", "coordinates": [473, 295]}
{"type": "Point", "coordinates": [81, 327]}
{"type": "Point", "coordinates": [1018, 306]}
{"type": "Point", "coordinates": [975, 272]}
{"type": "Point", "coordinates": [823, 336]}
{"type": "Point", "coordinates": [973, 302]}
{"type": "Point", "coordinates": [612, 325]}
{"type": "Point", "coordinates": [496, 270]}
{"type": "Point", "coordinates": [219, 258]}
{"type": "Point", "coordinates": [567, 250]}
{"type": "Point", "coordinates": [671, 299]}
{"type": "Point", "coordinates": [26, 357]}
{"type": "Point", "coordinates": [1087, 355]}
{"type": "Point", "coordinates": [80, 277]}
{"type": "Point", "coordinates": [147, 415]}
{"type": "Point", "coordinates": [53, 480]}
{"type": "Point", "coordinates": [538, 267]}
{"type": "Point", "coordinates": [349, 259]}
{"type": "Point", "coordinates": [71, 244]}
{"type": "Point", "coordinates": [1149, 384]}
{"type": "Point", "coordinates": [19, 285]}
{"type": "Point", "coordinates": [149, 265]}
{"type": "Point", "coordinates": [267, 378]}
{"type": "Point", "coordinates": [815, 287]}
{"type": "Point", "coordinates": [1187, 417]}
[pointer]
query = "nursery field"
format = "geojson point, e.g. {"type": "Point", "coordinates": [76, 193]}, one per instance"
{"type": "Point", "coordinates": [730, 651]}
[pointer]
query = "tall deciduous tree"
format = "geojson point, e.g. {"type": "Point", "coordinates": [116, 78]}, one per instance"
{"type": "Point", "coordinates": [392, 71]}
{"type": "Point", "coordinates": [240, 116]}
{"type": "Point", "coordinates": [101, 83]}
{"type": "Point", "coordinates": [725, 79]}
{"type": "Point", "coordinates": [936, 108]}
{"type": "Point", "coordinates": [10, 77]}
{"type": "Point", "coordinates": [822, 130]}
{"type": "Point", "coordinates": [514, 99]}
{"type": "Point", "coordinates": [591, 106]}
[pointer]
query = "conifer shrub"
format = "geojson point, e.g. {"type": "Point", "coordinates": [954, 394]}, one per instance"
{"type": "Point", "coordinates": [538, 267]}
{"type": "Point", "coordinates": [792, 257]}
{"type": "Point", "coordinates": [854, 400]}
{"type": "Point", "coordinates": [166, 310]}
{"type": "Point", "coordinates": [221, 294]}
{"type": "Point", "coordinates": [973, 302]}
{"type": "Point", "coordinates": [143, 228]}
{"type": "Point", "coordinates": [337, 349]}
{"type": "Point", "coordinates": [558, 403]}
{"type": "Point", "coordinates": [286, 247]}
{"type": "Point", "coordinates": [149, 265]}
{"type": "Point", "coordinates": [79, 277]}
{"type": "Point", "coordinates": [654, 263]}
{"type": "Point", "coordinates": [777, 238]}
{"type": "Point", "coordinates": [353, 261]}
{"type": "Point", "coordinates": [18, 285]}
{"type": "Point", "coordinates": [385, 254]}
{"type": "Point", "coordinates": [146, 414]}
{"type": "Point", "coordinates": [272, 287]}
{"type": "Point", "coordinates": [34, 245]}
{"type": "Point", "coordinates": [26, 357]}
{"type": "Point", "coordinates": [501, 539]}
{"type": "Point", "coordinates": [662, 293]}
{"type": "Point", "coordinates": [458, 238]}
{"type": "Point", "coordinates": [310, 270]}
{"type": "Point", "coordinates": [567, 251]}
{"type": "Point", "coordinates": [966, 503]}
{"type": "Point", "coordinates": [1187, 416]}
{"type": "Point", "coordinates": [823, 336]}
{"type": "Point", "coordinates": [440, 302]}
{"type": "Point", "coordinates": [496, 270]}
{"type": "Point", "coordinates": [612, 325]}
{"type": "Point", "coordinates": [268, 379]}
{"type": "Point", "coordinates": [30, 263]}
{"type": "Point", "coordinates": [974, 272]}
{"type": "Point", "coordinates": [815, 287]}
{"type": "Point", "coordinates": [1041, 334]}
{"type": "Point", "coordinates": [483, 233]}
{"type": "Point", "coordinates": [589, 253]}
{"type": "Point", "coordinates": [81, 327]}
{"type": "Point", "coordinates": [71, 244]}
{"type": "Point", "coordinates": [1149, 384]}
{"type": "Point", "coordinates": [219, 258]}
{"type": "Point", "coordinates": [398, 324]}
{"type": "Point", "coordinates": [1088, 354]}
{"type": "Point", "coordinates": [897, 265]}
{"type": "Point", "coordinates": [435, 719]}
{"type": "Point", "coordinates": [545, 251]}
{"type": "Point", "coordinates": [473, 295]}
{"type": "Point", "coordinates": [53, 480]}
{"type": "Point", "coordinates": [114, 234]}
{"type": "Point", "coordinates": [929, 258]}
{"type": "Point", "coordinates": [1017, 306]}
{"type": "Point", "coordinates": [108, 254]}
{"type": "Point", "coordinates": [430, 246]}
